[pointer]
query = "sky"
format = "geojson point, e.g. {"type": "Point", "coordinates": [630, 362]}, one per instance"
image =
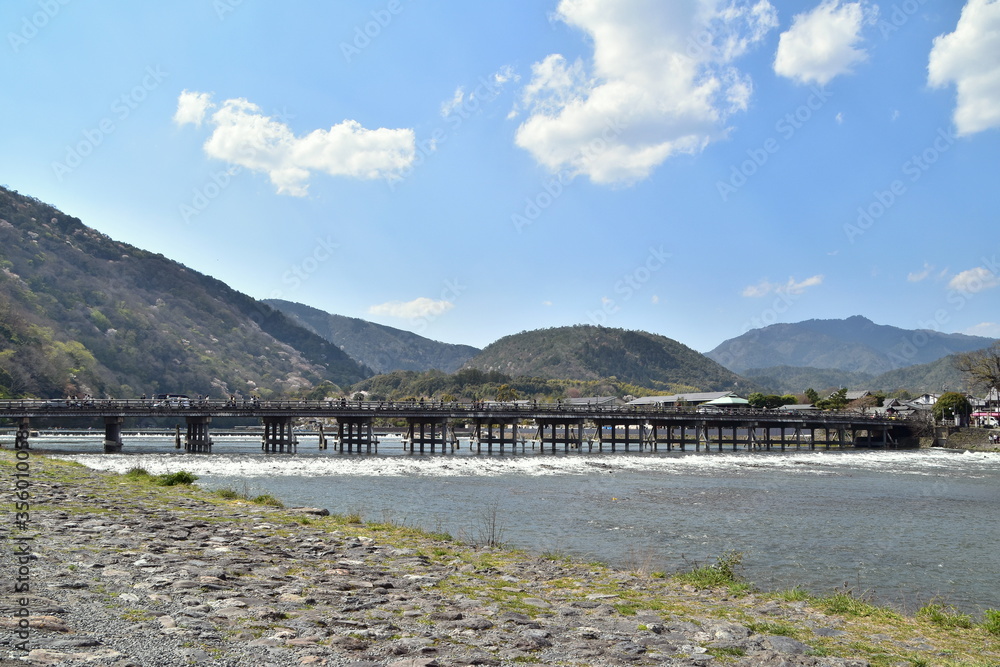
{"type": "Point", "coordinates": [469, 170]}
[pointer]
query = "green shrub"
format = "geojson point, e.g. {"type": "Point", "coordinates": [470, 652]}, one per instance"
{"type": "Point", "coordinates": [267, 499]}
{"type": "Point", "coordinates": [175, 478]}
{"type": "Point", "coordinates": [945, 616]}
{"type": "Point", "coordinates": [991, 622]}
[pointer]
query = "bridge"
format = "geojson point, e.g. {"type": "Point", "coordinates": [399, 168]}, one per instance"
{"type": "Point", "coordinates": [434, 424]}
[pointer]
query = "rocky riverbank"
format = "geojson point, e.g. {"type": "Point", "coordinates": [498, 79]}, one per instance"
{"type": "Point", "coordinates": [123, 572]}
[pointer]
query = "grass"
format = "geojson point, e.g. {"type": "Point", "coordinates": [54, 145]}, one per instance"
{"type": "Point", "coordinates": [720, 574]}
{"type": "Point", "coordinates": [945, 616]}
{"type": "Point", "coordinates": [167, 479]}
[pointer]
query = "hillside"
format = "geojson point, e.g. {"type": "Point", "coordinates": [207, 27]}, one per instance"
{"type": "Point", "coordinates": [796, 379]}
{"type": "Point", "coordinates": [381, 348]}
{"type": "Point", "coordinates": [855, 344]}
{"type": "Point", "coordinates": [586, 352]}
{"type": "Point", "coordinates": [82, 313]}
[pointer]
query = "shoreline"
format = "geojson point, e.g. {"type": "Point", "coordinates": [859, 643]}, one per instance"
{"type": "Point", "coordinates": [125, 572]}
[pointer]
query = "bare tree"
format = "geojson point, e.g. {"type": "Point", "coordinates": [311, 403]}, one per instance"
{"type": "Point", "coordinates": [982, 367]}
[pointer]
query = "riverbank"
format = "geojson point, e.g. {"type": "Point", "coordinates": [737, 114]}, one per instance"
{"type": "Point", "coordinates": [125, 572]}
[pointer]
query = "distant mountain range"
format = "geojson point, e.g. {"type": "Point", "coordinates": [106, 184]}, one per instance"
{"type": "Point", "coordinates": [82, 313]}
{"type": "Point", "coordinates": [585, 352]}
{"type": "Point", "coordinates": [381, 348]}
{"type": "Point", "coordinates": [853, 352]}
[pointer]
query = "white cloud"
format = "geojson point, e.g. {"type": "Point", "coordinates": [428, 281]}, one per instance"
{"type": "Point", "coordinates": [455, 102]}
{"type": "Point", "coordinates": [419, 307]}
{"type": "Point", "coordinates": [823, 43]}
{"type": "Point", "coordinates": [988, 329]}
{"type": "Point", "coordinates": [245, 136]}
{"type": "Point", "coordinates": [918, 276]}
{"type": "Point", "coordinates": [968, 58]}
{"type": "Point", "coordinates": [974, 280]}
{"type": "Point", "coordinates": [192, 107]}
{"type": "Point", "coordinates": [661, 83]}
{"type": "Point", "coordinates": [765, 287]}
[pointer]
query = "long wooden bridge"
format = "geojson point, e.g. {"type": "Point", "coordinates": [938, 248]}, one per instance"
{"type": "Point", "coordinates": [433, 425]}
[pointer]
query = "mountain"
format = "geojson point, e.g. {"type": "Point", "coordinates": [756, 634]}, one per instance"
{"type": "Point", "coordinates": [855, 344]}
{"type": "Point", "coordinates": [796, 379]}
{"type": "Point", "coordinates": [381, 348]}
{"type": "Point", "coordinates": [82, 313]}
{"type": "Point", "coordinates": [936, 377]}
{"type": "Point", "coordinates": [585, 352]}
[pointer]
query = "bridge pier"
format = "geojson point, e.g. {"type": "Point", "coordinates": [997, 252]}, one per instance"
{"type": "Point", "coordinates": [358, 431]}
{"type": "Point", "coordinates": [113, 434]}
{"type": "Point", "coordinates": [278, 436]}
{"type": "Point", "coordinates": [431, 431]}
{"type": "Point", "coordinates": [198, 440]}
{"type": "Point", "coordinates": [491, 438]}
{"type": "Point", "coordinates": [568, 434]}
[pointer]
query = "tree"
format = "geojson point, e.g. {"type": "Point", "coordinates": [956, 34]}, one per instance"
{"type": "Point", "coordinates": [836, 401]}
{"type": "Point", "coordinates": [811, 395]}
{"type": "Point", "coordinates": [506, 393]}
{"type": "Point", "coordinates": [982, 367]}
{"type": "Point", "coordinates": [950, 404]}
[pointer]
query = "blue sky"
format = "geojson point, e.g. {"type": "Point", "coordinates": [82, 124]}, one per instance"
{"type": "Point", "coordinates": [469, 170]}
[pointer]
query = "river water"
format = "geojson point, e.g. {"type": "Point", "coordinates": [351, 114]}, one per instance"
{"type": "Point", "coordinates": [903, 527]}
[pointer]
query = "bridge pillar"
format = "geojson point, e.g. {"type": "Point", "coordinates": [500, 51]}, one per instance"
{"type": "Point", "coordinates": [358, 431]}
{"type": "Point", "coordinates": [278, 436]}
{"type": "Point", "coordinates": [431, 431]}
{"type": "Point", "coordinates": [23, 431]}
{"type": "Point", "coordinates": [198, 440]}
{"type": "Point", "coordinates": [113, 434]}
{"type": "Point", "coordinates": [569, 437]}
{"type": "Point", "coordinates": [488, 436]}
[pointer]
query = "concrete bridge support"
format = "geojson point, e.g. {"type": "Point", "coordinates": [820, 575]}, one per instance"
{"type": "Point", "coordinates": [356, 432]}
{"type": "Point", "coordinates": [278, 436]}
{"type": "Point", "coordinates": [198, 440]}
{"type": "Point", "coordinates": [113, 434]}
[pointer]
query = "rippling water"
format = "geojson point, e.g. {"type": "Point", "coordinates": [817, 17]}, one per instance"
{"type": "Point", "coordinates": [904, 526]}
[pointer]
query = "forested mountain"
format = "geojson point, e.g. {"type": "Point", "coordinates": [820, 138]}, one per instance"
{"type": "Point", "coordinates": [81, 313]}
{"type": "Point", "coordinates": [855, 344]}
{"type": "Point", "coordinates": [381, 348]}
{"type": "Point", "coordinates": [935, 377]}
{"type": "Point", "coordinates": [585, 352]}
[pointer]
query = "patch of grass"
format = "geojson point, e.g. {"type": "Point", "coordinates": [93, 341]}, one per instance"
{"type": "Point", "coordinates": [136, 472]}
{"type": "Point", "coordinates": [991, 621]}
{"type": "Point", "coordinates": [175, 478]}
{"type": "Point", "coordinates": [229, 494]}
{"type": "Point", "coordinates": [945, 616]}
{"type": "Point", "coordinates": [794, 595]}
{"type": "Point", "coordinates": [267, 499]}
{"type": "Point", "coordinates": [724, 652]}
{"type": "Point", "coordinates": [772, 628]}
{"type": "Point", "coordinates": [847, 604]}
{"type": "Point", "coordinates": [720, 574]}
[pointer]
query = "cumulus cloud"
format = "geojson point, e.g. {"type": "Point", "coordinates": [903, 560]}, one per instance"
{"type": "Point", "coordinates": [192, 107]}
{"type": "Point", "coordinates": [824, 42]}
{"type": "Point", "coordinates": [974, 280]}
{"type": "Point", "coordinates": [456, 100]}
{"type": "Point", "coordinates": [410, 310]}
{"type": "Point", "coordinates": [968, 58]}
{"type": "Point", "coordinates": [988, 329]}
{"type": "Point", "coordinates": [765, 287]}
{"type": "Point", "coordinates": [918, 276]}
{"type": "Point", "coordinates": [246, 136]}
{"type": "Point", "coordinates": [661, 83]}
